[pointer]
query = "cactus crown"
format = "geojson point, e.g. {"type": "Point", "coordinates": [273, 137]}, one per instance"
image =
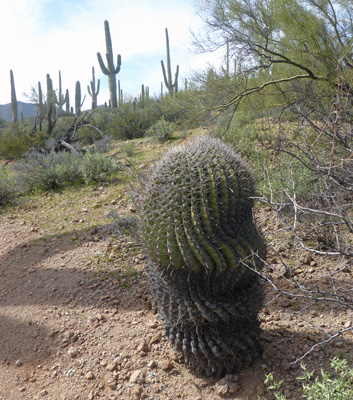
{"type": "Point", "coordinates": [196, 210]}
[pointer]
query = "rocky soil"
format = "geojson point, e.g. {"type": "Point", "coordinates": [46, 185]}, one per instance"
{"type": "Point", "coordinates": [76, 320]}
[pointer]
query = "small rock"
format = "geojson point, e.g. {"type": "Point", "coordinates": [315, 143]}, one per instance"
{"type": "Point", "coordinates": [110, 380]}
{"type": "Point", "coordinates": [155, 339]}
{"type": "Point", "coordinates": [166, 365]}
{"type": "Point", "coordinates": [143, 347]}
{"type": "Point", "coordinates": [138, 391]}
{"type": "Point", "coordinates": [90, 395]}
{"type": "Point", "coordinates": [347, 324]}
{"type": "Point", "coordinates": [112, 366]}
{"type": "Point", "coordinates": [227, 386]}
{"type": "Point", "coordinates": [90, 376]}
{"type": "Point", "coordinates": [152, 364]}
{"type": "Point", "coordinates": [19, 363]}
{"type": "Point", "coordinates": [43, 392]}
{"type": "Point", "coordinates": [73, 352]}
{"type": "Point", "coordinates": [137, 376]}
{"type": "Point", "coordinates": [22, 389]}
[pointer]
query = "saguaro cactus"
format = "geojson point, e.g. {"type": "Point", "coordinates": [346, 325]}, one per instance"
{"type": "Point", "coordinates": [61, 98]}
{"type": "Point", "coordinates": [51, 95]}
{"type": "Point", "coordinates": [67, 102]}
{"type": "Point", "coordinates": [204, 248]}
{"type": "Point", "coordinates": [110, 70]}
{"type": "Point", "coordinates": [92, 91]}
{"type": "Point", "coordinates": [172, 87]}
{"type": "Point", "coordinates": [13, 98]}
{"type": "Point", "coordinates": [78, 98]}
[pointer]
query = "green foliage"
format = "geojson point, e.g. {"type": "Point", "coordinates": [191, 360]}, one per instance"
{"type": "Point", "coordinates": [162, 130]}
{"type": "Point", "coordinates": [19, 139]}
{"type": "Point", "coordinates": [96, 167]}
{"type": "Point", "coordinates": [186, 109]}
{"type": "Point", "coordinates": [130, 123]}
{"type": "Point", "coordinates": [334, 386]}
{"type": "Point", "coordinates": [7, 189]}
{"type": "Point", "coordinates": [38, 171]}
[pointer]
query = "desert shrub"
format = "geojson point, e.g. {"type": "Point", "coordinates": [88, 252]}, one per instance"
{"type": "Point", "coordinates": [39, 171]}
{"type": "Point", "coordinates": [96, 167]}
{"type": "Point", "coordinates": [18, 140]}
{"type": "Point", "coordinates": [162, 130]}
{"type": "Point", "coordinates": [129, 149]}
{"type": "Point", "coordinates": [133, 122]}
{"type": "Point", "coordinates": [7, 189]}
{"type": "Point", "coordinates": [334, 386]}
{"type": "Point", "coordinates": [185, 110]}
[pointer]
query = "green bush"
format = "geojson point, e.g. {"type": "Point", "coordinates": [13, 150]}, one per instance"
{"type": "Point", "coordinates": [18, 140]}
{"type": "Point", "coordinates": [96, 167]}
{"type": "Point", "coordinates": [323, 387]}
{"type": "Point", "coordinates": [185, 110]}
{"type": "Point", "coordinates": [39, 171]}
{"type": "Point", "coordinates": [7, 190]}
{"type": "Point", "coordinates": [162, 130]}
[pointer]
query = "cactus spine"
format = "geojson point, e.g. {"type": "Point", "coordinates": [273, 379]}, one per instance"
{"type": "Point", "coordinates": [172, 87]}
{"type": "Point", "coordinates": [110, 70]}
{"type": "Point", "coordinates": [197, 225]}
{"type": "Point", "coordinates": [78, 98]}
{"type": "Point", "coordinates": [92, 91]}
{"type": "Point", "coordinates": [13, 98]}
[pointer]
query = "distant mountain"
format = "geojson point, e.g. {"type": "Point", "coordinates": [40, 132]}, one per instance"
{"type": "Point", "coordinates": [28, 110]}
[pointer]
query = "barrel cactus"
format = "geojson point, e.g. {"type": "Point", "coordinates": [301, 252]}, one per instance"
{"type": "Point", "coordinates": [204, 249]}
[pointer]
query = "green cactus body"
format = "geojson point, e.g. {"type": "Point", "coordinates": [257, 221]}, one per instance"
{"type": "Point", "coordinates": [167, 74]}
{"type": "Point", "coordinates": [40, 99]}
{"type": "Point", "coordinates": [51, 96]}
{"type": "Point", "coordinates": [197, 224]}
{"type": "Point", "coordinates": [110, 70]}
{"type": "Point", "coordinates": [67, 101]}
{"type": "Point", "coordinates": [78, 98]}
{"type": "Point", "coordinates": [93, 91]}
{"type": "Point", "coordinates": [61, 98]}
{"type": "Point", "coordinates": [13, 99]}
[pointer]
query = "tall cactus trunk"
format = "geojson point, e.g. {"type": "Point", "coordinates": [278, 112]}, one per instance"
{"type": "Point", "coordinates": [78, 98]}
{"type": "Point", "coordinates": [13, 99]}
{"type": "Point", "coordinates": [197, 226]}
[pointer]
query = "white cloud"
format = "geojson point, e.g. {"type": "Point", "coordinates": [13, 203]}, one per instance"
{"type": "Point", "coordinates": [45, 36]}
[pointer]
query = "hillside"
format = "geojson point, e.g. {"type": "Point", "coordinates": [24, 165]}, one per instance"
{"type": "Point", "coordinates": [28, 110]}
{"type": "Point", "coordinates": [77, 320]}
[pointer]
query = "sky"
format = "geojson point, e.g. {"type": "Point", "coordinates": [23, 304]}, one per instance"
{"type": "Point", "coordinates": [44, 36]}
